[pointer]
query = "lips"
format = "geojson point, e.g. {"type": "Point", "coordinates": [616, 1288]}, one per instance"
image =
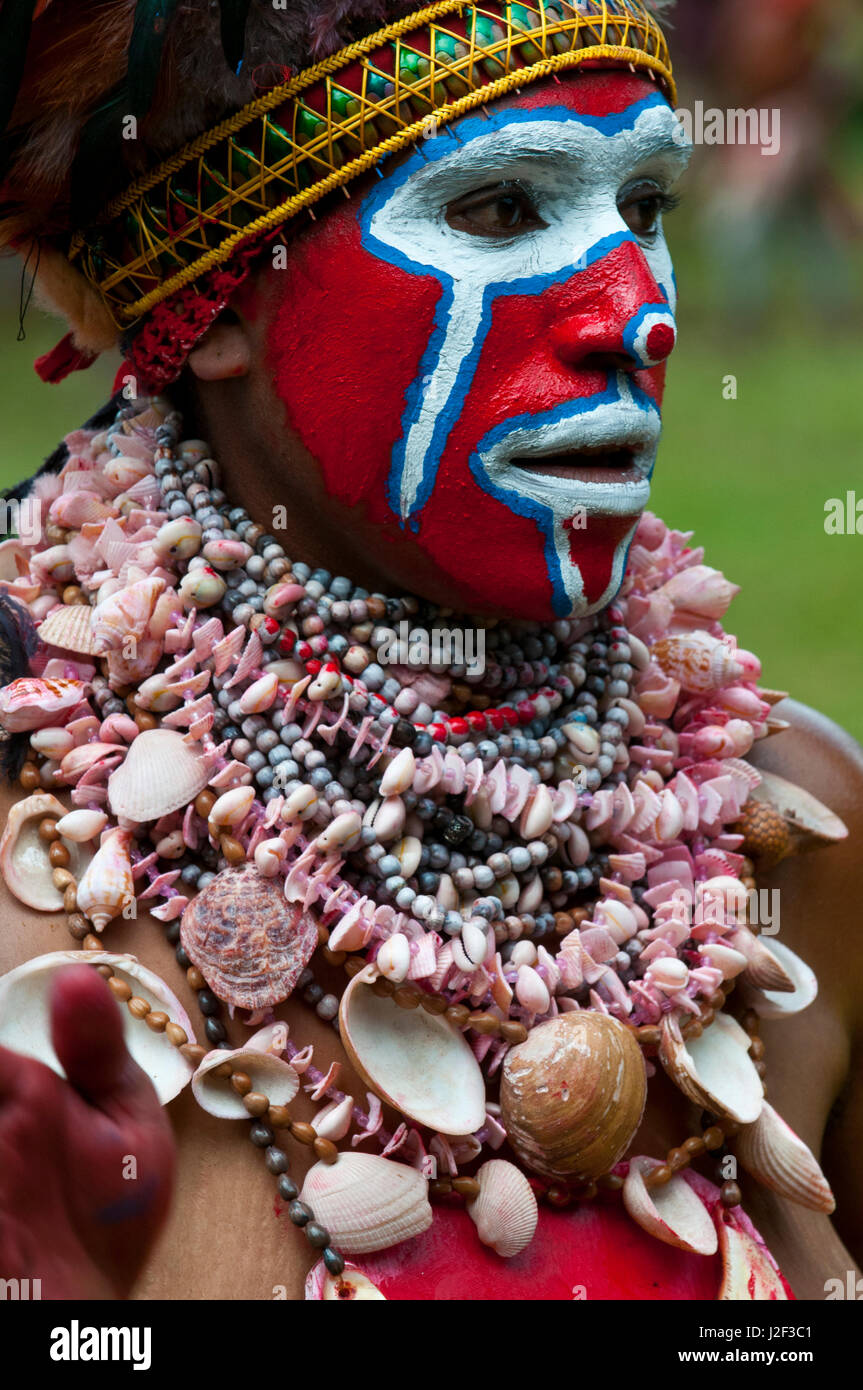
{"type": "Point", "coordinates": [612, 466]}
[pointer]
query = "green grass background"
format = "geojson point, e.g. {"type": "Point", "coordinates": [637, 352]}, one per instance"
{"type": "Point", "coordinates": [749, 477]}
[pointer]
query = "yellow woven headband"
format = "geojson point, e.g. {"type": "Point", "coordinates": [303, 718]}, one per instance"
{"type": "Point", "coordinates": [333, 122]}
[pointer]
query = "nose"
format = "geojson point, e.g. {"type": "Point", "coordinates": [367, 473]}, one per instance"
{"type": "Point", "coordinates": [617, 317]}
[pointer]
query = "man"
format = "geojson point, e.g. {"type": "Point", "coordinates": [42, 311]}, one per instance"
{"type": "Point", "coordinates": [450, 383]}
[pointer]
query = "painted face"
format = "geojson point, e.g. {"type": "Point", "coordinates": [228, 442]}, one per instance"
{"type": "Point", "coordinates": [473, 353]}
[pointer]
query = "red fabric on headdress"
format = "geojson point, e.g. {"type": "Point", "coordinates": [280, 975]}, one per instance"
{"type": "Point", "coordinates": [63, 359]}
{"type": "Point", "coordinates": [156, 354]}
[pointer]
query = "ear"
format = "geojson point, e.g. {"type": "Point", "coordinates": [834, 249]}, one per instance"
{"type": "Point", "coordinates": [223, 352]}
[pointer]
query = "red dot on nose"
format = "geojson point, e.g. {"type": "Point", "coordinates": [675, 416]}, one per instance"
{"type": "Point", "coordinates": [660, 342]}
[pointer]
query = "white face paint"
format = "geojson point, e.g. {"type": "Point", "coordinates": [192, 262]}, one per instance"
{"type": "Point", "coordinates": [576, 170]}
{"type": "Point", "coordinates": [475, 368]}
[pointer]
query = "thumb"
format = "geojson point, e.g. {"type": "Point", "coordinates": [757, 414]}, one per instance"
{"type": "Point", "coordinates": [87, 1033]}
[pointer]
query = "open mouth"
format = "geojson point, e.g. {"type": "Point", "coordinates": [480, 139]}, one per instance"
{"type": "Point", "coordinates": [598, 465]}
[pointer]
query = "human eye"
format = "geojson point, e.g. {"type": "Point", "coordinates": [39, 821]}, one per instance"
{"type": "Point", "coordinates": [642, 204]}
{"type": "Point", "coordinates": [501, 210]}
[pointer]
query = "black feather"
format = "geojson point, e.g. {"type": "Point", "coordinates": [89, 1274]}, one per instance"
{"type": "Point", "coordinates": [99, 148]}
{"type": "Point", "coordinates": [152, 19]}
{"type": "Point", "coordinates": [234, 14]}
{"type": "Point", "coordinates": [16, 17]}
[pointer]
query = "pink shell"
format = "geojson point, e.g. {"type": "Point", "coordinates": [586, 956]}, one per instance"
{"type": "Point", "coordinates": [29, 703]}
{"type": "Point", "coordinates": [248, 942]}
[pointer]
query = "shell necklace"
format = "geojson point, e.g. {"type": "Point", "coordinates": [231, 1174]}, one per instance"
{"type": "Point", "coordinates": [530, 868]}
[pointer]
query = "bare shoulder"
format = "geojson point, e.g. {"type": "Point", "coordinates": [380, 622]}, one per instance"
{"type": "Point", "coordinates": [817, 891]}
{"type": "Point", "coordinates": [820, 890]}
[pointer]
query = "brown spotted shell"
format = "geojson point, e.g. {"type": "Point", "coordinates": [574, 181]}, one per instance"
{"type": "Point", "coordinates": [573, 1095]}
{"type": "Point", "coordinates": [250, 945]}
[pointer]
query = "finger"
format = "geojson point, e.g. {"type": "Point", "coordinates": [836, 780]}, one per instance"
{"type": "Point", "coordinates": [87, 1032]}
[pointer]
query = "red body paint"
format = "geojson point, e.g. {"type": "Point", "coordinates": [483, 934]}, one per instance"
{"type": "Point", "coordinates": [346, 337]}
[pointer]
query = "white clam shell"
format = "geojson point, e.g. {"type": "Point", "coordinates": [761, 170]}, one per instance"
{"type": "Point", "coordinates": [24, 862]}
{"type": "Point", "coordinates": [771, 1151]}
{"type": "Point", "coordinates": [417, 1062]}
{"type": "Point", "coordinates": [770, 1003]}
{"type": "Point", "coordinates": [25, 1023]}
{"type": "Point", "coordinates": [715, 1070]}
{"type": "Point", "coordinates": [505, 1213]}
{"type": "Point", "coordinates": [161, 773]}
{"type": "Point", "coordinates": [70, 628]}
{"type": "Point", "coordinates": [672, 1212]}
{"type": "Point", "coordinates": [269, 1073]}
{"type": "Point", "coordinates": [366, 1202]}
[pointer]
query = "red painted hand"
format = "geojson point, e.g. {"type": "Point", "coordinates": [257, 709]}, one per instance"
{"type": "Point", "coordinates": [86, 1164]}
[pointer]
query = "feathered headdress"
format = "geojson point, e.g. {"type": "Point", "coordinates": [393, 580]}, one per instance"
{"type": "Point", "coordinates": [226, 119]}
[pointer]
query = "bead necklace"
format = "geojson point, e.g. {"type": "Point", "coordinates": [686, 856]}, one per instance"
{"type": "Point", "coordinates": [547, 843]}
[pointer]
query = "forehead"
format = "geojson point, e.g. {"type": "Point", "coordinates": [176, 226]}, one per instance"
{"type": "Point", "coordinates": [595, 92]}
{"type": "Point", "coordinates": [606, 122]}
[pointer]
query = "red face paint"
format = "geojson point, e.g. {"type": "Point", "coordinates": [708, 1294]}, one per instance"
{"type": "Point", "coordinates": [423, 369]}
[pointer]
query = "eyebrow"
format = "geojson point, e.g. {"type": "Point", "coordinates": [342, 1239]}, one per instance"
{"type": "Point", "coordinates": [477, 153]}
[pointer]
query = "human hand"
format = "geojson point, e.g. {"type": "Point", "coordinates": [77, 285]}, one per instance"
{"type": "Point", "coordinates": [86, 1164]}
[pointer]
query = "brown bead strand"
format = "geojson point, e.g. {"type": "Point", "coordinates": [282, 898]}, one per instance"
{"type": "Point", "coordinates": [256, 1104]}
{"type": "Point", "coordinates": [64, 882]}
{"type": "Point", "coordinates": [409, 997]}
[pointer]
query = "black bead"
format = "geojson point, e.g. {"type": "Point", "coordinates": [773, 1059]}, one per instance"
{"type": "Point", "coordinates": [261, 1135]}
{"type": "Point", "coordinates": [318, 1236]}
{"type": "Point", "coordinates": [276, 1160]}
{"type": "Point", "coordinates": [172, 935]}
{"type": "Point", "coordinates": [299, 1213]}
{"type": "Point", "coordinates": [404, 734]}
{"type": "Point", "coordinates": [207, 1002]}
{"type": "Point", "coordinates": [333, 1262]}
{"type": "Point", "coordinates": [288, 1188]}
{"type": "Point", "coordinates": [215, 1030]}
{"type": "Point", "coordinates": [182, 958]}
{"type": "Point", "coordinates": [458, 830]}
